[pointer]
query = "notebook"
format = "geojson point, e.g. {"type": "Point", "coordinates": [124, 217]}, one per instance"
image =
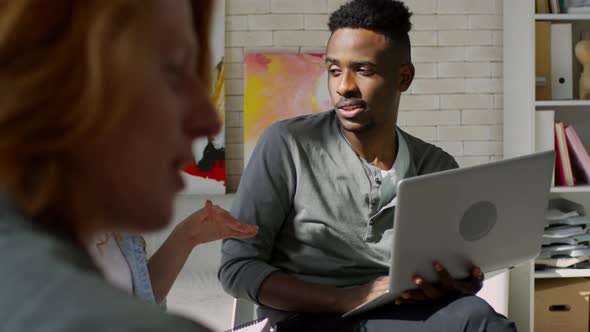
{"type": "Point", "coordinates": [259, 325]}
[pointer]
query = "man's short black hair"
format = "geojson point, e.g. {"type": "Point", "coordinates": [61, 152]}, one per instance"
{"type": "Point", "coordinates": [388, 17]}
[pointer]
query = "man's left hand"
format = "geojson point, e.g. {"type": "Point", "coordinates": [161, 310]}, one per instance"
{"type": "Point", "coordinates": [446, 286]}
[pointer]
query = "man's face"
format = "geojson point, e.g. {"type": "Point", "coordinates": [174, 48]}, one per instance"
{"type": "Point", "coordinates": [365, 79]}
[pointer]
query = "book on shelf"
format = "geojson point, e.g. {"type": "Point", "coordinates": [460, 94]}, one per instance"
{"type": "Point", "coordinates": [564, 175]}
{"type": "Point", "coordinates": [554, 6]}
{"type": "Point", "coordinates": [551, 6]}
{"type": "Point", "coordinates": [542, 6]}
{"type": "Point", "coordinates": [578, 153]}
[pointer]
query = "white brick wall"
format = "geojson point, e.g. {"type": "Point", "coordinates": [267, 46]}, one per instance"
{"type": "Point", "coordinates": [455, 101]}
{"type": "Point", "coordinates": [271, 22]}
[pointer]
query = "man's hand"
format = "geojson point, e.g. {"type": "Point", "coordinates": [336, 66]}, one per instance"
{"type": "Point", "coordinates": [350, 298]}
{"type": "Point", "coordinates": [445, 287]}
{"type": "Point", "coordinates": [353, 297]}
{"type": "Point", "coordinates": [213, 223]}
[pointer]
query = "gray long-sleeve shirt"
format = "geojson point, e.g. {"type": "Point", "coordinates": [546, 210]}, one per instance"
{"type": "Point", "coordinates": [321, 209]}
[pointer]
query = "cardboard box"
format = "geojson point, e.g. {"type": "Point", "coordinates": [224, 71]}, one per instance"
{"type": "Point", "coordinates": [561, 304]}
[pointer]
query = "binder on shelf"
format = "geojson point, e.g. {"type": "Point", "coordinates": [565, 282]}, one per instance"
{"type": "Point", "coordinates": [564, 175]}
{"type": "Point", "coordinates": [561, 63]}
{"type": "Point", "coordinates": [545, 132]}
{"type": "Point", "coordinates": [543, 60]}
{"type": "Point", "coordinates": [579, 154]}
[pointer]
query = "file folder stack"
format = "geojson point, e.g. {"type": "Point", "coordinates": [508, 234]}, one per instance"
{"type": "Point", "coordinates": [566, 241]}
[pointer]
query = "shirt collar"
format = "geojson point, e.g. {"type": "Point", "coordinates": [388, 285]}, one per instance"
{"type": "Point", "coordinates": [401, 164]}
{"type": "Point", "coordinates": [402, 160]}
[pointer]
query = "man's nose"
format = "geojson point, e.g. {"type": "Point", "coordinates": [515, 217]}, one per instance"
{"type": "Point", "coordinates": [347, 86]}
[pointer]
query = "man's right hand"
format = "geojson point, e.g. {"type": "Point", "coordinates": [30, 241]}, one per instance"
{"type": "Point", "coordinates": [284, 292]}
{"type": "Point", "coordinates": [354, 296]}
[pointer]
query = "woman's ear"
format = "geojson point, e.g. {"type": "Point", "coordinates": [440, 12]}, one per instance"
{"type": "Point", "coordinates": [406, 76]}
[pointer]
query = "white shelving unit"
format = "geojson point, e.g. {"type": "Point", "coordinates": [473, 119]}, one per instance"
{"type": "Point", "coordinates": [562, 273]}
{"type": "Point", "coordinates": [562, 17]}
{"type": "Point", "coordinates": [519, 133]}
{"type": "Point", "coordinates": [562, 103]}
{"type": "Point", "coordinates": [576, 189]}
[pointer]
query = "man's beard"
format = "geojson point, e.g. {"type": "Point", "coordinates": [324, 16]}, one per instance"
{"type": "Point", "coordinates": [360, 129]}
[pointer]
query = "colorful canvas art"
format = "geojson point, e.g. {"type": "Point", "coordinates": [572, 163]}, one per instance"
{"type": "Point", "coordinates": [206, 174]}
{"type": "Point", "coordinates": [280, 86]}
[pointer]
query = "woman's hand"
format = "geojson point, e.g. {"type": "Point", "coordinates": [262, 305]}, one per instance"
{"type": "Point", "coordinates": [213, 223]}
{"type": "Point", "coordinates": [208, 224]}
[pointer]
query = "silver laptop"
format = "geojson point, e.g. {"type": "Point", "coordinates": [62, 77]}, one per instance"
{"type": "Point", "coordinates": [491, 215]}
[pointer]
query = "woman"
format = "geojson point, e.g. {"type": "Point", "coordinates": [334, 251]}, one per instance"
{"type": "Point", "coordinates": [99, 104]}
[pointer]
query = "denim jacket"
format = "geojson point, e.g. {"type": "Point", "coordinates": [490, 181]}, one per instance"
{"type": "Point", "coordinates": [133, 248]}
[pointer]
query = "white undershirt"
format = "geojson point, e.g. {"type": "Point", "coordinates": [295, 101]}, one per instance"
{"type": "Point", "coordinates": [108, 256]}
{"type": "Point", "coordinates": [385, 173]}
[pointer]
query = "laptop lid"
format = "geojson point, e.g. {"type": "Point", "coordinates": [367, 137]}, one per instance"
{"type": "Point", "coordinates": [491, 215]}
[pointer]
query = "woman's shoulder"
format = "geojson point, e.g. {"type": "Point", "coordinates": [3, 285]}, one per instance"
{"type": "Point", "coordinates": [61, 283]}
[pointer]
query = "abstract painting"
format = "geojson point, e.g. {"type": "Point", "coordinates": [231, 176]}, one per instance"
{"type": "Point", "coordinates": [280, 86]}
{"type": "Point", "coordinates": [206, 174]}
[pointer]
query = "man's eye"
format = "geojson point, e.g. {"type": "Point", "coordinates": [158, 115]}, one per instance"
{"type": "Point", "coordinates": [366, 72]}
{"type": "Point", "coordinates": [334, 72]}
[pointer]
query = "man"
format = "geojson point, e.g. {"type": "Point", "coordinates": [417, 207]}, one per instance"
{"type": "Point", "coordinates": [320, 188]}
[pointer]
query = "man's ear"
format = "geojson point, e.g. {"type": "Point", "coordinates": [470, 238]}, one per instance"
{"type": "Point", "coordinates": [406, 76]}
